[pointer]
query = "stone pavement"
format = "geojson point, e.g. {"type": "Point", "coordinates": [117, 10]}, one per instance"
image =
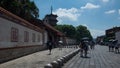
{"type": "Point", "coordinates": [98, 58]}
{"type": "Point", "coordinates": [37, 60]}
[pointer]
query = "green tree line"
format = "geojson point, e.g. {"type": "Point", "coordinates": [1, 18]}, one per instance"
{"type": "Point", "coordinates": [77, 33]}
{"type": "Point", "coordinates": [23, 8]}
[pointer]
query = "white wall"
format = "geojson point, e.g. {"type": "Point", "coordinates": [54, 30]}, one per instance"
{"type": "Point", "coordinates": [70, 41]}
{"type": "Point", "coordinates": [45, 37]}
{"type": "Point", "coordinates": [5, 34]}
{"type": "Point", "coordinates": [117, 35]}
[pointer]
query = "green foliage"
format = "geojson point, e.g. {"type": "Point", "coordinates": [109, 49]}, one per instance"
{"type": "Point", "coordinates": [68, 30]}
{"type": "Point", "coordinates": [75, 32]}
{"type": "Point", "coordinates": [23, 8]}
{"type": "Point", "coordinates": [82, 32]}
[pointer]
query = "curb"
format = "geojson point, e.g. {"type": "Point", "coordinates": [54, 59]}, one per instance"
{"type": "Point", "coordinates": [62, 60]}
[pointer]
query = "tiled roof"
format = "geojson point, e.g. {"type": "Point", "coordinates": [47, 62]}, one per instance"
{"type": "Point", "coordinates": [52, 28]}
{"type": "Point", "coordinates": [24, 22]}
{"type": "Point", "coordinates": [14, 17]}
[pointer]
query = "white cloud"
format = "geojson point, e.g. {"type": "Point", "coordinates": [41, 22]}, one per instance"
{"type": "Point", "coordinates": [110, 12]}
{"type": "Point", "coordinates": [85, 25]}
{"type": "Point", "coordinates": [96, 33]}
{"type": "Point", "coordinates": [90, 6]}
{"type": "Point", "coordinates": [71, 14]}
{"type": "Point", "coordinates": [105, 1]}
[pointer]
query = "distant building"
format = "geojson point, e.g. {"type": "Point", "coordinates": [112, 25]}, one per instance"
{"type": "Point", "coordinates": [70, 41]}
{"type": "Point", "coordinates": [100, 39]}
{"type": "Point", "coordinates": [117, 36]}
{"type": "Point", "coordinates": [110, 33]}
{"type": "Point", "coordinates": [54, 35]}
{"type": "Point", "coordinates": [51, 19]}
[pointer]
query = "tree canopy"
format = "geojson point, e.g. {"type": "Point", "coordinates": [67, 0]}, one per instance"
{"type": "Point", "coordinates": [23, 8]}
{"type": "Point", "coordinates": [77, 33]}
{"type": "Point", "coordinates": [82, 32]}
{"type": "Point", "coordinates": [68, 30]}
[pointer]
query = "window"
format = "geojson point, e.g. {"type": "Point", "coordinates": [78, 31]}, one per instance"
{"type": "Point", "coordinates": [26, 36]}
{"type": "Point", "coordinates": [38, 38]}
{"type": "Point", "coordinates": [14, 34]}
{"type": "Point", "coordinates": [33, 37]}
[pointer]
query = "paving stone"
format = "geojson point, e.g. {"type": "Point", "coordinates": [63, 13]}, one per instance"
{"type": "Point", "coordinates": [100, 57]}
{"type": "Point", "coordinates": [37, 60]}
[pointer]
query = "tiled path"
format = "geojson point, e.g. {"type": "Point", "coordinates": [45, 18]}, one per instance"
{"type": "Point", "coordinates": [37, 60]}
{"type": "Point", "coordinates": [100, 57]}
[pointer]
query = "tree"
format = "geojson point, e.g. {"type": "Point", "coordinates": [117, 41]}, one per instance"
{"type": "Point", "coordinates": [77, 33]}
{"type": "Point", "coordinates": [68, 30]}
{"type": "Point", "coordinates": [23, 8]}
{"type": "Point", "coordinates": [81, 32]}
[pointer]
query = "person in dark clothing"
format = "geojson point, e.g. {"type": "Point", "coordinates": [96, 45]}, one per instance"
{"type": "Point", "coordinates": [92, 44]}
{"type": "Point", "coordinates": [116, 46]}
{"type": "Point", "coordinates": [110, 46]}
{"type": "Point", "coordinates": [84, 48]}
{"type": "Point", "coordinates": [49, 45]}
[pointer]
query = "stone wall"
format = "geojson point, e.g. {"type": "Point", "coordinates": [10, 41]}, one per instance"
{"type": "Point", "coordinates": [10, 50]}
{"type": "Point", "coordinates": [7, 54]}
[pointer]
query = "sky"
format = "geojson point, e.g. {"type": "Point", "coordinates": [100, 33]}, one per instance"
{"type": "Point", "coordinates": [96, 15]}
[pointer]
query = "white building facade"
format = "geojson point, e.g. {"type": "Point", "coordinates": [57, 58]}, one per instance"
{"type": "Point", "coordinates": [117, 35]}
{"type": "Point", "coordinates": [70, 41]}
{"type": "Point", "coordinates": [13, 34]}
{"type": "Point", "coordinates": [19, 37]}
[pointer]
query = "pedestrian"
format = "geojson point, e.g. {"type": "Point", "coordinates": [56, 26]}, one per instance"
{"type": "Point", "coordinates": [117, 47]}
{"type": "Point", "coordinates": [81, 49]}
{"type": "Point", "coordinates": [60, 45]}
{"type": "Point", "coordinates": [49, 45]}
{"type": "Point", "coordinates": [84, 48]}
{"type": "Point", "coordinates": [114, 42]}
{"type": "Point", "coordinates": [92, 45]}
{"type": "Point", "coordinates": [110, 46]}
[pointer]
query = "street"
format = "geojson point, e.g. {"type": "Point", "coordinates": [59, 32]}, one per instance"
{"type": "Point", "coordinates": [100, 57]}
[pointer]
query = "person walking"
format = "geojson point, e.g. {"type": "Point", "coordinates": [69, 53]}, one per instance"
{"type": "Point", "coordinates": [83, 48]}
{"type": "Point", "coordinates": [49, 45]}
{"type": "Point", "coordinates": [110, 46]}
{"type": "Point", "coordinates": [117, 46]}
{"type": "Point", "coordinates": [60, 45]}
{"type": "Point", "coordinates": [92, 44]}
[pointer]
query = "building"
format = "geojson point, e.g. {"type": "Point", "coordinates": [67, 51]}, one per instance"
{"type": "Point", "coordinates": [117, 36]}
{"type": "Point", "coordinates": [100, 39]}
{"type": "Point", "coordinates": [51, 18]}
{"type": "Point", "coordinates": [110, 33]}
{"type": "Point", "coordinates": [70, 41]}
{"type": "Point", "coordinates": [54, 35]}
{"type": "Point", "coordinates": [19, 37]}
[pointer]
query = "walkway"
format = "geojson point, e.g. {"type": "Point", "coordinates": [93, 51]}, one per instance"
{"type": "Point", "coordinates": [98, 58]}
{"type": "Point", "coordinates": [37, 60]}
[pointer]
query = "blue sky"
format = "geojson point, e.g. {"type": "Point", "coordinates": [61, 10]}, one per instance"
{"type": "Point", "coordinates": [97, 15]}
